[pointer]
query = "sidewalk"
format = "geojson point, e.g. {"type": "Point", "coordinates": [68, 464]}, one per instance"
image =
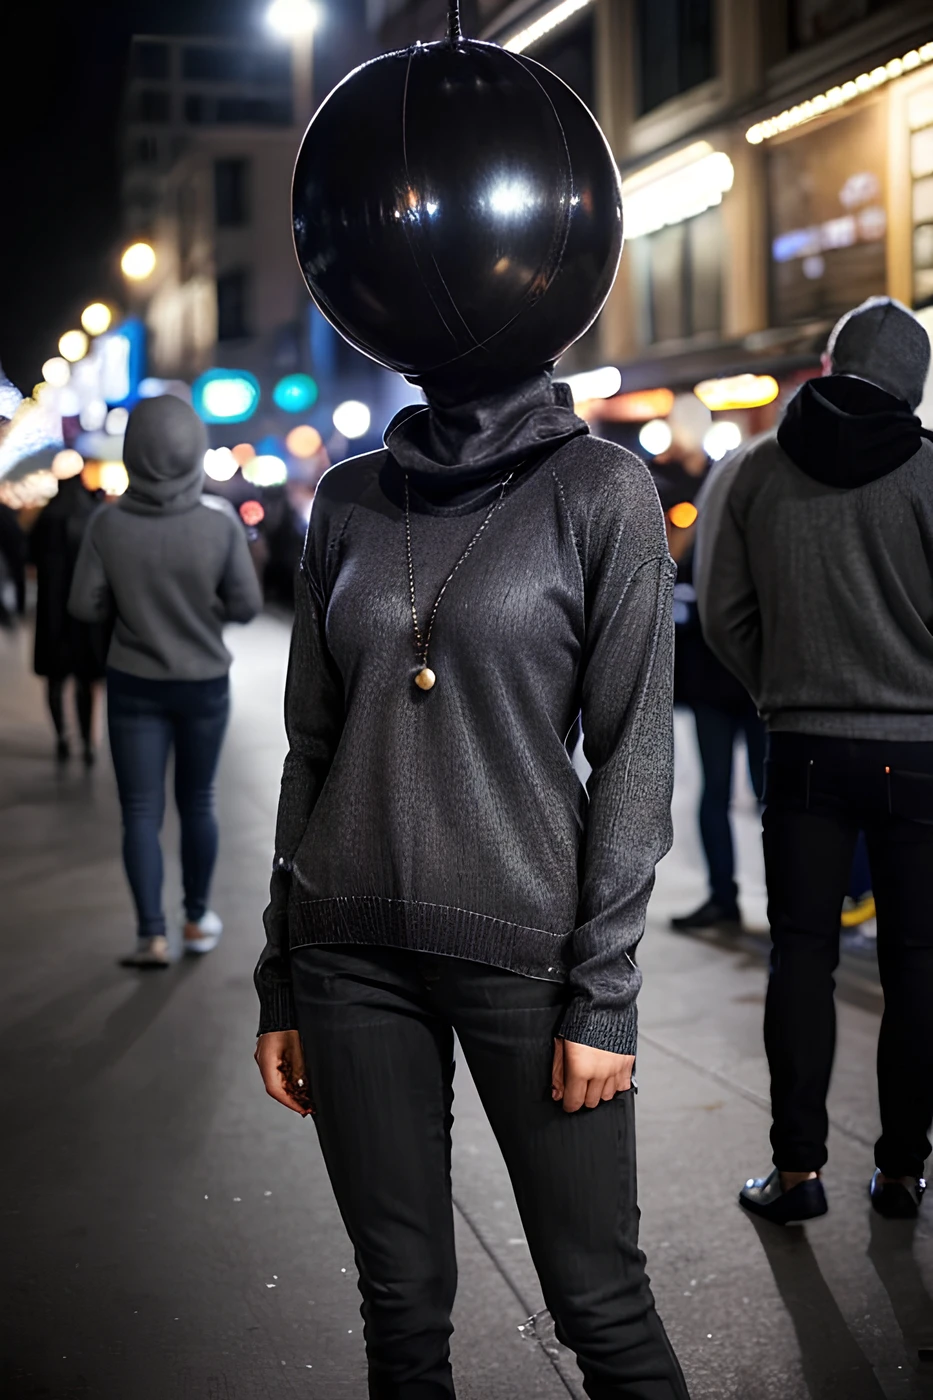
{"type": "Point", "coordinates": [169, 1231]}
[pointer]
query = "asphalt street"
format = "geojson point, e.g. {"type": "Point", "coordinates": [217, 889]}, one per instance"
{"type": "Point", "coordinates": [169, 1233]}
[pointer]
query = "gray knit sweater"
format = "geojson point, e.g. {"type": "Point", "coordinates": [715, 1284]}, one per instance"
{"type": "Point", "coordinates": [451, 821]}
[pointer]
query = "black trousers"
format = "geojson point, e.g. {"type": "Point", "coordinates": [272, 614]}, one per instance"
{"type": "Point", "coordinates": [819, 794]}
{"type": "Point", "coordinates": [377, 1027]}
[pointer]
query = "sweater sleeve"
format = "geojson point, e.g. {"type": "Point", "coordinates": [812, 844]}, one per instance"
{"type": "Point", "coordinates": [239, 589]}
{"type": "Point", "coordinates": [726, 597]}
{"type": "Point", "coordinates": [627, 709]}
{"type": "Point", "coordinates": [314, 710]}
{"type": "Point", "coordinates": [90, 599]}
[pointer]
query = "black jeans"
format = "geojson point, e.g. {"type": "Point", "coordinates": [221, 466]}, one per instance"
{"type": "Point", "coordinates": [377, 1026]}
{"type": "Point", "coordinates": [146, 720]}
{"type": "Point", "coordinates": [717, 730]}
{"type": "Point", "coordinates": [819, 794]}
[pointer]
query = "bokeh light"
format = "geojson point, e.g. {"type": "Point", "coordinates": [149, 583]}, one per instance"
{"type": "Point", "coordinates": [116, 421]}
{"type": "Point", "coordinates": [96, 318]}
{"type": "Point", "coordinates": [266, 470]}
{"type": "Point", "coordinates": [56, 372]}
{"type": "Point", "coordinates": [225, 395]}
{"type": "Point", "coordinates": [683, 515]}
{"type": "Point", "coordinates": [67, 463]}
{"type": "Point", "coordinates": [93, 416]}
{"type": "Point", "coordinates": [295, 393]}
{"type": "Point", "coordinates": [113, 478]}
{"type": "Point", "coordinates": [739, 391]}
{"type": "Point", "coordinates": [220, 463]}
{"type": "Point", "coordinates": [243, 452]}
{"type": "Point", "coordinates": [352, 419]}
{"type": "Point", "coordinates": [138, 262]}
{"type": "Point", "coordinates": [303, 441]}
{"type": "Point", "coordinates": [73, 346]}
{"type": "Point", "coordinates": [656, 437]}
{"type": "Point", "coordinates": [252, 514]}
{"type": "Point", "coordinates": [721, 438]}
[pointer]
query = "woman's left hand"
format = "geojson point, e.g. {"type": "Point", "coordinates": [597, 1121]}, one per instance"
{"type": "Point", "coordinates": [583, 1075]}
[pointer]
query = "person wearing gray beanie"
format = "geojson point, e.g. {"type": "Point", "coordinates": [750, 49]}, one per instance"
{"type": "Point", "coordinates": [814, 586]}
{"type": "Point", "coordinates": [882, 341]}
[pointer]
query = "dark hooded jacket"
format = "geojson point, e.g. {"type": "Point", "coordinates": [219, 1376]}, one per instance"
{"type": "Point", "coordinates": [814, 565]}
{"type": "Point", "coordinates": [170, 565]}
{"type": "Point", "coordinates": [64, 646]}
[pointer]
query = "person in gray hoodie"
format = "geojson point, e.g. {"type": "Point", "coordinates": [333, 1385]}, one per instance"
{"type": "Point", "coordinates": [814, 582]}
{"type": "Point", "coordinates": [170, 566]}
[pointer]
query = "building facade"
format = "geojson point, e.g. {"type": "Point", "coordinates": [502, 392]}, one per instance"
{"type": "Point", "coordinates": [777, 163]}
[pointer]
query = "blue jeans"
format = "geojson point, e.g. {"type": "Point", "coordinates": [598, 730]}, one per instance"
{"type": "Point", "coordinates": [146, 718]}
{"type": "Point", "coordinates": [717, 730]}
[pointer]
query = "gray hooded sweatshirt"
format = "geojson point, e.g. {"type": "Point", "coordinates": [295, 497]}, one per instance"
{"type": "Point", "coordinates": [168, 565]}
{"type": "Point", "coordinates": [814, 559]}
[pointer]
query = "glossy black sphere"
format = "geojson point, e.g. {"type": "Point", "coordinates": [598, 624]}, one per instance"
{"type": "Point", "coordinates": [457, 213]}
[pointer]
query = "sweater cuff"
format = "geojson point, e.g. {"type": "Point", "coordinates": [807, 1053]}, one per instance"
{"type": "Point", "coordinates": [603, 1030]}
{"type": "Point", "coordinates": [276, 1007]}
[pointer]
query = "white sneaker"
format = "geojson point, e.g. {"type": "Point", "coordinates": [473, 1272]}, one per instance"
{"type": "Point", "coordinates": [203, 936]}
{"type": "Point", "coordinates": [150, 952]}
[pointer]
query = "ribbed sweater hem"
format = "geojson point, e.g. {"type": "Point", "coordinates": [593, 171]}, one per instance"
{"type": "Point", "coordinates": [854, 724]}
{"type": "Point", "coordinates": [421, 927]}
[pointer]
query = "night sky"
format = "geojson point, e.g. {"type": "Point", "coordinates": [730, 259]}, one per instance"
{"type": "Point", "coordinates": [64, 67]}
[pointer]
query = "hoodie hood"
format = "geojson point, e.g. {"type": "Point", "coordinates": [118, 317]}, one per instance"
{"type": "Point", "coordinates": [845, 432]}
{"type": "Point", "coordinates": [449, 447]}
{"type": "Point", "coordinates": [163, 452]}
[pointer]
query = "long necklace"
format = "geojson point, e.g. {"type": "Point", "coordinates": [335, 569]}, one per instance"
{"type": "Point", "coordinates": [425, 677]}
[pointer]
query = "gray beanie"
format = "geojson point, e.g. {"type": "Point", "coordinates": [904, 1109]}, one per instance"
{"type": "Point", "coordinates": [883, 341]}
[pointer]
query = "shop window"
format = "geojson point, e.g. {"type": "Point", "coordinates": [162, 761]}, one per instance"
{"type": "Point", "coordinates": [150, 60]}
{"type": "Point", "coordinates": [232, 310]}
{"type": "Point", "coordinates": [152, 105]}
{"type": "Point", "coordinates": [231, 193]}
{"type": "Point", "coordinates": [679, 272]}
{"type": "Point", "coordinates": [675, 48]}
{"type": "Point", "coordinates": [920, 115]}
{"type": "Point", "coordinates": [828, 217]}
{"type": "Point", "coordinates": [810, 21]}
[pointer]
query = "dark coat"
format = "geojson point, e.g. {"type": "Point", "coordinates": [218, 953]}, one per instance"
{"type": "Point", "coordinates": [64, 646]}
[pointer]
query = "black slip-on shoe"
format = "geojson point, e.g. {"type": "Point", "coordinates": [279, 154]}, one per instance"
{"type": "Point", "coordinates": [894, 1199]}
{"type": "Point", "coordinates": [765, 1196]}
{"type": "Point", "coordinates": [712, 914]}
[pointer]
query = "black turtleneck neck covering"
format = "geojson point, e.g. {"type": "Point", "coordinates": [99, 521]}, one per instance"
{"type": "Point", "coordinates": [454, 452]}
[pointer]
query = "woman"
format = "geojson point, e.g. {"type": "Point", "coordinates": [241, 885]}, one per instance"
{"type": "Point", "coordinates": [171, 566]}
{"type": "Point", "coordinates": [463, 595]}
{"type": "Point", "coordinates": [64, 646]}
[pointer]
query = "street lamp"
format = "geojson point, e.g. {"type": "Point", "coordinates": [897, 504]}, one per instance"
{"type": "Point", "coordinates": [296, 20]}
{"type": "Point", "coordinates": [293, 19]}
{"type": "Point", "coordinates": [138, 261]}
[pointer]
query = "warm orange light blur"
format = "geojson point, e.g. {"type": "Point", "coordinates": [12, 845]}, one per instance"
{"type": "Point", "coordinates": [303, 441]}
{"type": "Point", "coordinates": [637, 407]}
{"type": "Point", "coordinates": [741, 391]}
{"type": "Point", "coordinates": [252, 513]}
{"type": "Point", "coordinates": [244, 452]}
{"type": "Point", "coordinates": [682, 515]}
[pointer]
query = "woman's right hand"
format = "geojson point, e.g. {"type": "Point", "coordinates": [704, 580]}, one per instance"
{"type": "Point", "coordinates": [282, 1066]}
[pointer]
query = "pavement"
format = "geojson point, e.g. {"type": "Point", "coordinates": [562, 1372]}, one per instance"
{"type": "Point", "coordinates": [169, 1232]}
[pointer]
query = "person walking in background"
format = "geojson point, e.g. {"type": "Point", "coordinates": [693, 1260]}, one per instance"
{"type": "Point", "coordinates": [723, 712]}
{"type": "Point", "coordinates": [172, 566]}
{"type": "Point", "coordinates": [12, 567]}
{"type": "Point", "coordinates": [64, 646]}
{"type": "Point", "coordinates": [722, 708]}
{"type": "Point", "coordinates": [815, 587]}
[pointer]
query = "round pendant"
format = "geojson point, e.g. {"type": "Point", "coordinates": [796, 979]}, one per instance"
{"type": "Point", "coordinates": [425, 678]}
